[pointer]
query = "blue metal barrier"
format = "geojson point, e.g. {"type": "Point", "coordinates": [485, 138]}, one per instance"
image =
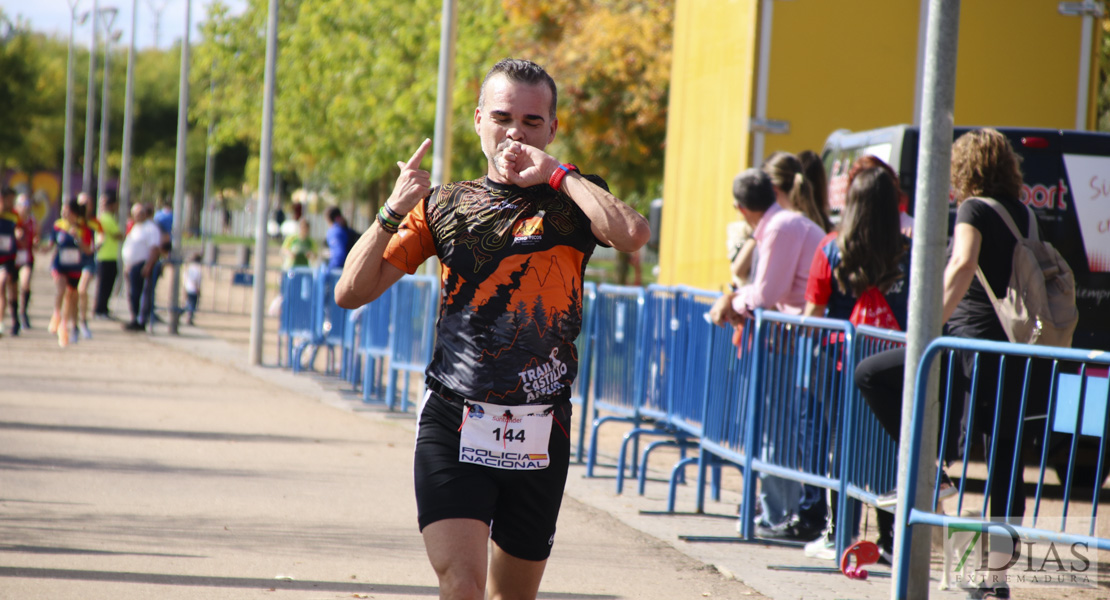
{"type": "Point", "coordinates": [414, 307]}
{"type": "Point", "coordinates": [727, 429]}
{"type": "Point", "coordinates": [347, 370]}
{"type": "Point", "coordinates": [799, 389]}
{"type": "Point", "coordinates": [584, 344]}
{"type": "Point", "coordinates": [333, 319]}
{"type": "Point", "coordinates": [617, 380]}
{"type": "Point", "coordinates": [297, 310]}
{"type": "Point", "coordinates": [869, 456]}
{"type": "Point", "coordinates": [708, 379]}
{"type": "Point", "coordinates": [663, 340]}
{"type": "Point", "coordinates": [1007, 381]}
{"type": "Point", "coordinates": [374, 335]}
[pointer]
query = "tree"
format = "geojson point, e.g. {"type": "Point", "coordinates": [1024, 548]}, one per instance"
{"type": "Point", "coordinates": [19, 102]}
{"type": "Point", "coordinates": [613, 87]}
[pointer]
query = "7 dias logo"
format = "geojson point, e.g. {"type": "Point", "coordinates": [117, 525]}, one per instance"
{"type": "Point", "coordinates": [999, 554]}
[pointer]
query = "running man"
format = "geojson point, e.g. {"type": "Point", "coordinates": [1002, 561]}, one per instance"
{"type": "Point", "coordinates": [493, 447]}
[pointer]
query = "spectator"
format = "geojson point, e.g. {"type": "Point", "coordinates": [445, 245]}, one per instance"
{"type": "Point", "coordinates": [164, 218]}
{"type": "Point", "coordinates": [869, 253]}
{"type": "Point", "coordinates": [866, 162]}
{"type": "Point", "coordinates": [290, 227]}
{"type": "Point", "coordinates": [299, 250]}
{"type": "Point", "coordinates": [107, 256]}
{"type": "Point", "coordinates": [814, 171]}
{"type": "Point", "coordinates": [340, 238]}
{"type": "Point", "coordinates": [279, 220]}
{"type": "Point", "coordinates": [793, 190]}
{"type": "Point", "coordinates": [785, 244]}
{"type": "Point", "coordinates": [142, 251]}
{"type": "Point", "coordinates": [983, 165]}
{"type": "Point", "coordinates": [192, 280]}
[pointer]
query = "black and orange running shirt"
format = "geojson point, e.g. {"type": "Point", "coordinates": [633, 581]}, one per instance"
{"type": "Point", "coordinates": [512, 261]}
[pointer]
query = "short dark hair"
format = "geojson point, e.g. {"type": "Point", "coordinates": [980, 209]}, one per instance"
{"type": "Point", "coordinates": [753, 190]}
{"type": "Point", "coordinates": [7, 191]}
{"type": "Point", "coordinates": [334, 213]}
{"type": "Point", "coordinates": [522, 71]}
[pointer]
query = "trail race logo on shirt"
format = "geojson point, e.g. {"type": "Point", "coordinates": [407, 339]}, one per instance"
{"type": "Point", "coordinates": [529, 229]}
{"type": "Point", "coordinates": [544, 379]}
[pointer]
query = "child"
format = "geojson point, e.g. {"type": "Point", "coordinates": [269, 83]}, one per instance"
{"type": "Point", "coordinates": [192, 285]}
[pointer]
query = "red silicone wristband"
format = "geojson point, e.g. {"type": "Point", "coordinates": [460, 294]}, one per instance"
{"type": "Point", "coordinates": [557, 176]}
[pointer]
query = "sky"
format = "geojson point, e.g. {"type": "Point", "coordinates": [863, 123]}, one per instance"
{"type": "Point", "coordinates": [53, 16]}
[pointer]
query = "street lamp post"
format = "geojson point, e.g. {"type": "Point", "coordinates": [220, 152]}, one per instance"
{"type": "Point", "coordinates": [67, 160]}
{"type": "Point", "coordinates": [128, 103]}
{"type": "Point", "coordinates": [180, 174]}
{"type": "Point", "coordinates": [90, 106]}
{"type": "Point", "coordinates": [265, 175]}
{"type": "Point", "coordinates": [109, 37]}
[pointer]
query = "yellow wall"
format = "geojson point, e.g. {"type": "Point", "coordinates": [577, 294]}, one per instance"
{"type": "Point", "coordinates": [835, 64]}
{"type": "Point", "coordinates": [1018, 64]}
{"type": "Point", "coordinates": [707, 135]}
{"type": "Point", "coordinates": [833, 68]}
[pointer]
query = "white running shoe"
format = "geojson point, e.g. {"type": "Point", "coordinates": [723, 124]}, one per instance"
{"type": "Point", "coordinates": [823, 548]}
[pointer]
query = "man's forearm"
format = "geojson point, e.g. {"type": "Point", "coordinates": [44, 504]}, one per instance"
{"type": "Point", "coordinates": [614, 222]}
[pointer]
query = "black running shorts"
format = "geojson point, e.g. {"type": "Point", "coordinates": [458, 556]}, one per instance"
{"type": "Point", "coordinates": [521, 507]}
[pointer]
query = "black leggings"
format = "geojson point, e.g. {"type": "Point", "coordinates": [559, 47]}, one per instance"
{"type": "Point", "coordinates": [880, 377]}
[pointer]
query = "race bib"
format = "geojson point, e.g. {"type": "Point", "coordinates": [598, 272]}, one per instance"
{"type": "Point", "coordinates": [505, 437]}
{"type": "Point", "coordinates": [7, 242]}
{"type": "Point", "coordinates": [69, 257]}
{"type": "Point", "coordinates": [22, 257]}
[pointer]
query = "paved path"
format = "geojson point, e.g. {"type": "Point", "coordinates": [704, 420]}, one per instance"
{"type": "Point", "coordinates": [136, 466]}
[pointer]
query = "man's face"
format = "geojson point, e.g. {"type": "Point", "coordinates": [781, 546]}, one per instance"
{"type": "Point", "coordinates": [5, 203]}
{"type": "Point", "coordinates": [137, 213]}
{"type": "Point", "coordinates": [513, 112]}
{"type": "Point", "coordinates": [752, 218]}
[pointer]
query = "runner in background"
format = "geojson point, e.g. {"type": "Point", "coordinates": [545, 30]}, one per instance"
{"type": "Point", "coordinates": [90, 228]}
{"type": "Point", "coordinates": [9, 228]}
{"type": "Point", "coordinates": [25, 241]}
{"type": "Point", "coordinates": [70, 247]}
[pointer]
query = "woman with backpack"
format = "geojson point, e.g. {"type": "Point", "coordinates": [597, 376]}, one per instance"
{"type": "Point", "coordinates": [984, 165]}
{"type": "Point", "coordinates": [863, 268]}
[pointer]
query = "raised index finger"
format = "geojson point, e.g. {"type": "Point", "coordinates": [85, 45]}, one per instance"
{"type": "Point", "coordinates": [414, 162]}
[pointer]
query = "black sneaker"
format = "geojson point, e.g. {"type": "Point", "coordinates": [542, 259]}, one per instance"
{"type": "Point", "coordinates": [998, 591]}
{"type": "Point", "coordinates": [133, 326]}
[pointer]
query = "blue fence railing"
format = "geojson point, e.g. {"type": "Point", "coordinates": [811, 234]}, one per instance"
{"type": "Point", "coordinates": [1038, 406]}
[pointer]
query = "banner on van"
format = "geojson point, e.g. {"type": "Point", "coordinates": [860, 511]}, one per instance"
{"type": "Point", "coordinates": [1089, 177]}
